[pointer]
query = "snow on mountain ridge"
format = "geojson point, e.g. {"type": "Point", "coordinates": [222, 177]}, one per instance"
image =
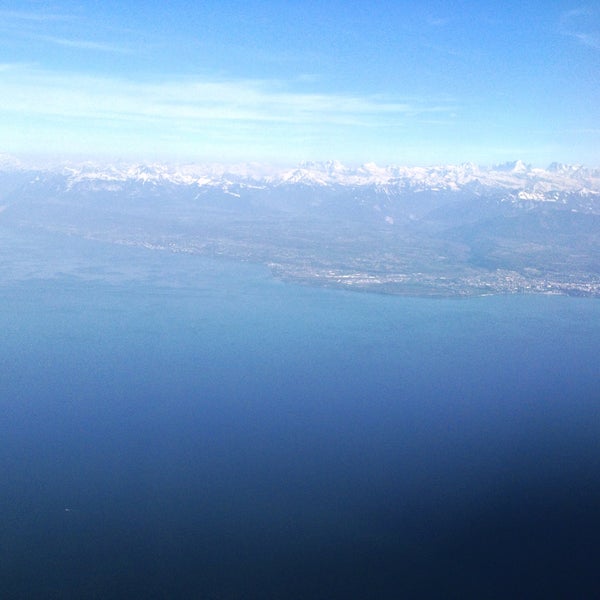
{"type": "Point", "coordinates": [10, 163]}
{"type": "Point", "coordinates": [511, 176]}
{"type": "Point", "coordinates": [514, 176]}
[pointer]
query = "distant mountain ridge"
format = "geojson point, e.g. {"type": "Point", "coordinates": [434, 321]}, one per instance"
{"type": "Point", "coordinates": [532, 183]}
{"type": "Point", "coordinates": [450, 230]}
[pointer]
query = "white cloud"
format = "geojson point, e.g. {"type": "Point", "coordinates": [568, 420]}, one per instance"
{"type": "Point", "coordinates": [592, 40]}
{"type": "Point", "coordinates": [196, 103]}
{"type": "Point", "coordinates": [575, 24]}
{"type": "Point", "coordinates": [83, 44]}
{"type": "Point", "coordinates": [576, 13]}
{"type": "Point", "coordinates": [33, 16]}
{"type": "Point", "coordinates": [235, 119]}
{"type": "Point", "coordinates": [438, 21]}
{"type": "Point", "coordinates": [11, 66]}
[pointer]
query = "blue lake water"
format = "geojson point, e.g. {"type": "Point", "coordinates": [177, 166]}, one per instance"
{"type": "Point", "coordinates": [173, 426]}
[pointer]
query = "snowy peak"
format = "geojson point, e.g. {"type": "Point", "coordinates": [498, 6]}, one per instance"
{"type": "Point", "coordinates": [516, 178]}
{"type": "Point", "coordinates": [516, 166]}
{"type": "Point", "coordinates": [10, 163]}
{"type": "Point", "coordinates": [513, 176]}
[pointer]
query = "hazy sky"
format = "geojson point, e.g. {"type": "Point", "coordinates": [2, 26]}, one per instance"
{"type": "Point", "coordinates": [391, 82]}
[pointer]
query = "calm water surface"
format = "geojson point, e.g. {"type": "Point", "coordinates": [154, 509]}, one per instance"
{"type": "Point", "coordinates": [177, 427]}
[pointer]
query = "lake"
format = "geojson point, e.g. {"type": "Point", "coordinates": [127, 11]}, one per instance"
{"type": "Point", "coordinates": [173, 426]}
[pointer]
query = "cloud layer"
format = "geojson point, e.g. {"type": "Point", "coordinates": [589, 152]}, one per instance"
{"type": "Point", "coordinates": [192, 101]}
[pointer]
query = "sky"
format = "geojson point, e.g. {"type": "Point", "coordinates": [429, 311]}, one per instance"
{"type": "Point", "coordinates": [393, 82]}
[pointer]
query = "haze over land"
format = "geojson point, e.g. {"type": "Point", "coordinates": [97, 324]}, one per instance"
{"type": "Point", "coordinates": [448, 230]}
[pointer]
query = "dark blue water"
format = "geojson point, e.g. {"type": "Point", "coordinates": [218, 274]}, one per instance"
{"type": "Point", "coordinates": [174, 427]}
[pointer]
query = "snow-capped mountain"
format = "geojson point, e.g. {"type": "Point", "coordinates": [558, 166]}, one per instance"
{"type": "Point", "coordinates": [444, 230]}
{"type": "Point", "coordinates": [522, 181]}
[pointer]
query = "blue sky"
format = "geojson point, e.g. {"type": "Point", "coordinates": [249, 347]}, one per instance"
{"type": "Point", "coordinates": [390, 82]}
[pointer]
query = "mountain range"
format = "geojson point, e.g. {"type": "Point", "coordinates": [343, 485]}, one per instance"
{"type": "Point", "coordinates": [439, 230]}
{"type": "Point", "coordinates": [516, 175]}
